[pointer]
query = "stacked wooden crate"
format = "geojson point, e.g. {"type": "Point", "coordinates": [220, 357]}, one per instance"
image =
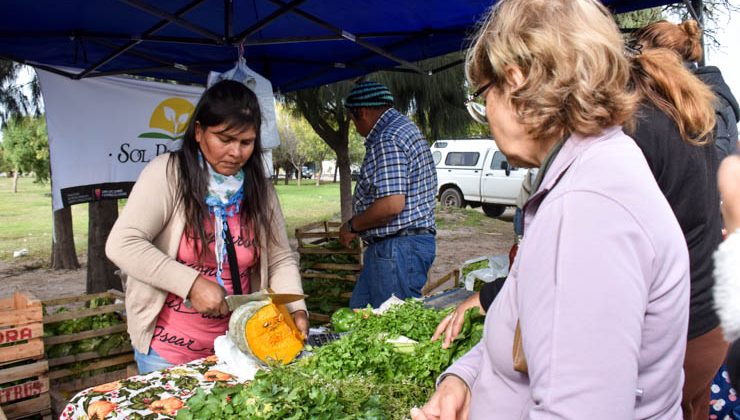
{"type": "Point", "coordinates": [84, 358]}
{"type": "Point", "coordinates": [24, 380]}
{"type": "Point", "coordinates": [328, 270]}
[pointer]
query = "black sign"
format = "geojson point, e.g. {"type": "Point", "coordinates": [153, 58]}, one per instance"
{"type": "Point", "coordinates": [95, 192]}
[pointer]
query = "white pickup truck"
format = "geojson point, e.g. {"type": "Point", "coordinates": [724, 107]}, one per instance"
{"type": "Point", "coordinates": [475, 172]}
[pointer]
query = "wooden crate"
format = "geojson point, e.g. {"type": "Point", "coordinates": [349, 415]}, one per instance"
{"type": "Point", "coordinates": [69, 374]}
{"type": "Point", "coordinates": [312, 240]}
{"type": "Point", "coordinates": [442, 283]}
{"type": "Point", "coordinates": [24, 381]}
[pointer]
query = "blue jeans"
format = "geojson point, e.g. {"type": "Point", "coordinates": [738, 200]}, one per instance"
{"type": "Point", "coordinates": [397, 266]}
{"type": "Point", "coordinates": [150, 362]}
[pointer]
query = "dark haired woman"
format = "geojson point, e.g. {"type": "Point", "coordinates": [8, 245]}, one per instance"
{"type": "Point", "coordinates": [674, 130]}
{"type": "Point", "coordinates": [685, 40]}
{"type": "Point", "coordinates": [172, 238]}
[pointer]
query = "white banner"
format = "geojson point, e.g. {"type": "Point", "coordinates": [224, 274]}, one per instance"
{"type": "Point", "coordinates": [104, 130]}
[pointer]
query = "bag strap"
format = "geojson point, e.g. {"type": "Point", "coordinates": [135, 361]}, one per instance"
{"type": "Point", "coordinates": [517, 351]}
{"type": "Point", "coordinates": [236, 281]}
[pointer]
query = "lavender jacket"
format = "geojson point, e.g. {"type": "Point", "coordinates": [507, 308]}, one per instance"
{"type": "Point", "coordinates": [601, 289]}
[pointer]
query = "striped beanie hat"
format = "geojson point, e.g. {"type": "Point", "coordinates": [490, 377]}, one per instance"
{"type": "Point", "coordinates": [368, 94]}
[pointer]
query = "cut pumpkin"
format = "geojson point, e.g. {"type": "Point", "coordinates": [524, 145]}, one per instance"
{"type": "Point", "coordinates": [266, 331]}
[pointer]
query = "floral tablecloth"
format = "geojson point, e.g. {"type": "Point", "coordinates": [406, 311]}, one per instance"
{"type": "Point", "coordinates": [157, 395]}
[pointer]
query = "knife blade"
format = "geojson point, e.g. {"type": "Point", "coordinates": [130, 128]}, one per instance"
{"type": "Point", "coordinates": [234, 301]}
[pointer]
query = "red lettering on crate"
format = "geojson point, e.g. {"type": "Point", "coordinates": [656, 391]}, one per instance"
{"type": "Point", "coordinates": [15, 334]}
{"type": "Point", "coordinates": [16, 392]}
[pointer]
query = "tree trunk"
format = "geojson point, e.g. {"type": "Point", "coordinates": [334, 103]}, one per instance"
{"type": "Point", "coordinates": [63, 251]}
{"type": "Point", "coordinates": [15, 182]}
{"type": "Point", "coordinates": [320, 172]}
{"type": "Point", "coordinates": [345, 180]}
{"type": "Point", "coordinates": [100, 270]}
{"type": "Point", "coordinates": [336, 170]}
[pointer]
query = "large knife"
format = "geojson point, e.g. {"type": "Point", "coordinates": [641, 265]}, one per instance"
{"type": "Point", "coordinates": [235, 301]}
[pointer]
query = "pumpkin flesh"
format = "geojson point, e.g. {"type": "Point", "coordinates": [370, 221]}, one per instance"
{"type": "Point", "coordinates": [271, 334]}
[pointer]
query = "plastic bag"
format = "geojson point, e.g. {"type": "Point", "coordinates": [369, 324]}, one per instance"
{"type": "Point", "coordinates": [497, 267]}
{"type": "Point", "coordinates": [263, 89]}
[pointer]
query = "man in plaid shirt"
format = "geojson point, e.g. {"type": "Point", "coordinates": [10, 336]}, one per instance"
{"type": "Point", "coordinates": [394, 200]}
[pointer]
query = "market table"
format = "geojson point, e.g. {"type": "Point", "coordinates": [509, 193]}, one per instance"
{"type": "Point", "coordinates": [152, 396]}
{"type": "Point", "coordinates": [161, 394]}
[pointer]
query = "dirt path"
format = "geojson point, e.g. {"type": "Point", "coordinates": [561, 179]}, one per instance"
{"type": "Point", "coordinates": [460, 237]}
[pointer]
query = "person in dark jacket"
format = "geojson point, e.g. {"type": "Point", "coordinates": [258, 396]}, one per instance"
{"type": "Point", "coordinates": [727, 110]}
{"type": "Point", "coordinates": [685, 39]}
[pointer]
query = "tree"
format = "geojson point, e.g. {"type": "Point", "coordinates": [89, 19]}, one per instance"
{"type": "Point", "coordinates": [356, 148]}
{"type": "Point", "coordinates": [436, 102]}
{"type": "Point", "coordinates": [638, 18]}
{"type": "Point", "coordinates": [4, 164]}
{"type": "Point", "coordinates": [312, 147]}
{"type": "Point", "coordinates": [26, 148]}
{"type": "Point", "coordinates": [63, 251]}
{"type": "Point", "coordinates": [14, 102]}
{"type": "Point", "coordinates": [291, 155]}
{"type": "Point", "coordinates": [322, 108]}
{"type": "Point", "coordinates": [100, 270]}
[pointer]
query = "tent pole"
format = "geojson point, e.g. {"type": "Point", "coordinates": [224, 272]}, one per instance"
{"type": "Point", "coordinates": [173, 19]}
{"type": "Point", "coordinates": [50, 69]}
{"type": "Point", "coordinates": [351, 37]}
{"type": "Point", "coordinates": [228, 20]}
{"type": "Point", "coordinates": [135, 42]}
{"type": "Point", "coordinates": [241, 37]}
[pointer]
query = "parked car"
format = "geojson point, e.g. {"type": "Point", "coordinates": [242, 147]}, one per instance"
{"type": "Point", "coordinates": [474, 172]}
{"type": "Point", "coordinates": [355, 174]}
{"type": "Point", "coordinates": [306, 172]}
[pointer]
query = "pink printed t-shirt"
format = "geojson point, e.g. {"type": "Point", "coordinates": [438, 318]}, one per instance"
{"type": "Point", "coordinates": [182, 334]}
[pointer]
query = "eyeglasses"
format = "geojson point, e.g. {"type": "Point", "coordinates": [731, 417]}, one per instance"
{"type": "Point", "coordinates": [476, 110]}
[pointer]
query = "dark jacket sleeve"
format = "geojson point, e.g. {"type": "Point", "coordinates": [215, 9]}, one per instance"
{"type": "Point", "coordinates": [725, 130]}
{"type": "Point", "coordinates": [489, 291]}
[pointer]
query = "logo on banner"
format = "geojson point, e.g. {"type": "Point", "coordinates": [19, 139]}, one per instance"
{"type": "Point", "coordinates": [170, 119]}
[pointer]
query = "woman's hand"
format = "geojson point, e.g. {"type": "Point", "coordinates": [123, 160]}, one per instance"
{"type": "Point", "coordinates": [729, 188]}
{"type": "Point", "coordinates": [451, 401]}
{"type": "Point", "coordinates": [452, 323]}
{"type": "Point", "coordinates": [207, 297]}
{"type": "Point", "coordinates": [301, 322]}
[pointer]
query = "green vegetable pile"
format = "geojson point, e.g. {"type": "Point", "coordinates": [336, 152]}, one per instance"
{"type": "Point", "coordinates": [327, 295]}
{"type": "Point", "coordinates": [103, 344]}
{"type": "Point", "coordinates": [361, 376]}
{"type": "Point", "coordinates": [472, 267]}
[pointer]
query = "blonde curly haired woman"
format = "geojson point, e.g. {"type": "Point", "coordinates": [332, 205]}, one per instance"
{"type": "Point", "coordinates": [592, 320]}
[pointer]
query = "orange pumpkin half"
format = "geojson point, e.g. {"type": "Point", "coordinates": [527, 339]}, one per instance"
{"type": "Point", "coordinates": [266, 331]}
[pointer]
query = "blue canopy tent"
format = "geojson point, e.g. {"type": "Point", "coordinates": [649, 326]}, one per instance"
{"type": "Point", "coordinates": [295, 44]}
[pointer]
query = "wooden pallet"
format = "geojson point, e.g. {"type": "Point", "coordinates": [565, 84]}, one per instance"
{"type": "Point", "coordinates": [24, 380]}
{"type": "Point", "coordinates": [66, 373]}
{"type": "Point", "coordinates": [311, 239]}
{"type": "Point", "coordinates": [433, 285]}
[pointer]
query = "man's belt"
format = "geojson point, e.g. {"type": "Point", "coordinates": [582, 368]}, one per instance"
{"type": "Point", "coordinates": [411, 231]}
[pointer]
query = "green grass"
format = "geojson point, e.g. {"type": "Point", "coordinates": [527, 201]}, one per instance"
{"type": "Point", "coordinates": [26, 217]}
{"type": "Point", "coordinates": [307, 203]}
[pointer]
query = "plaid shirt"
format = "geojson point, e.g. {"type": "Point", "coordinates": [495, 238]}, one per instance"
{"type": "Point", "coordinates": [398, 161]}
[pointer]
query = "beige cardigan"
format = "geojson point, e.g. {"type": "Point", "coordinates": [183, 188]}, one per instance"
{"type": "Point", "coordinates": [145, 240]}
